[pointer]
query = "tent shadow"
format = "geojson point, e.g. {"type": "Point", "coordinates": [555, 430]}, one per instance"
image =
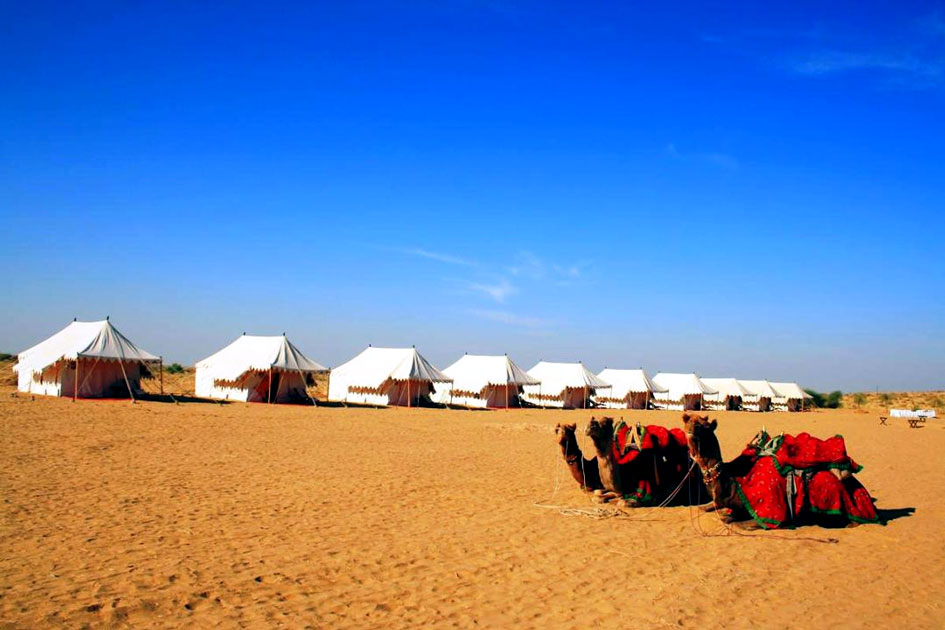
{"type": "Point", "coordinates": [181, 399]}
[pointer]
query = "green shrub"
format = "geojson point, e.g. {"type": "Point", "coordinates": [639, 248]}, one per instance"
{"type": "Point", "coordinates": [859, 399]}
{"type": "Point", "coordinates": [833, 400]}
{"type": "Point", "coordinates": [174, 368]}
{"type": "Point", "coordinates": [6, 357]}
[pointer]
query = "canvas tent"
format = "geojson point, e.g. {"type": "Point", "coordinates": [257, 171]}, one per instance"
{"type": "Point", "coordinates": [630, 389]}
{"type": "Point", "coordinates": [84, 360]}
{"type": "Point", "coordinates": [790, 397]}
{"type": "Point", "coordinates": [483, 381]}
{"type": "Point", "coordinates": [759, 396]}
{"type": "Point", "coordinates": [563, 385]}
{"type": "Point", "coordinates": [729, 394]}
{"type": "Point", "coordinates": [681, 391]}
{"type": "Point", "coordinates": [385, 376]}
{"type": "Point", "coordinates": [257, 369]}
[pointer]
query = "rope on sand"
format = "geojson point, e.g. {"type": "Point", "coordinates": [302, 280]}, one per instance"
{"type": "Point", "coordinates": [599, 511]}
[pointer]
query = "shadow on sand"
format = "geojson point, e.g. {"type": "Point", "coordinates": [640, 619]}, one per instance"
{"type": "Point", "coordinates": [892, 514]}
{"type": "Point", "coordinates": [180, 399]}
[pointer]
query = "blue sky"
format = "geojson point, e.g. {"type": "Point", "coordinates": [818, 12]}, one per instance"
{"type": "Point", "coordinates": [754, 191]}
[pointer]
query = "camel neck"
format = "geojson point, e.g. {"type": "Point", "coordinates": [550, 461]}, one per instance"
{"type": "Point", "coordinates": [713, 475]}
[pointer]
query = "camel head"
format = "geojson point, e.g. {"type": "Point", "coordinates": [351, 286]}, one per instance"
{"type": "Point", "coordinates": [700, 432]}
{"type": "Point", "coordinates": [566, 437]}
{"type": "Point", "coordinates": [600, 431]}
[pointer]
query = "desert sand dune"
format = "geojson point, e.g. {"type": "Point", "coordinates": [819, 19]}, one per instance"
{"type": "Point", "coordinates": [200, 515]}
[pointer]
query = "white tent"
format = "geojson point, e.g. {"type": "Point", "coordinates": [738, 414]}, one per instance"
{"type": "Point", "coordinates": [84, 360]}
{"type": "Point", "coordinates": [256, 369]}
{"type": "Point", "coordinates": [631, 389]}
{"type": "Point", "coordinates": [483, 381]}
{"type": "Point", "coordinates": [385, 376]}
{"type": "Point", "coordinates": [759, 396]}
{"type": "Point", "coordinates": [790, 397]}
{"type": "Point", "coordinates": [729, 394]}
{"type": "Point", "coordinates": [681, 391]}
{"type": "Point", "coordinates": [564, 385]}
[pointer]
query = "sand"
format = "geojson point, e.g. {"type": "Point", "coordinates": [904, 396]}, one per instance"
{"type": "Point", "coordinates": [207, 515]}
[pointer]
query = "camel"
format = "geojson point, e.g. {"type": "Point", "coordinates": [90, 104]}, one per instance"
{"type": "Point", "coordinates": [583, 470]}
{"type": "Point", "coordinates": [602, 435]}
{"type": "Point", "coordinates": [705, 451]}
{"type": "Point", "coordinates": [779, 481]}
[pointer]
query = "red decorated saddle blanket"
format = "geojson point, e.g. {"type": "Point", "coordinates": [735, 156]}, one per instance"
{"type": "Point", "coordinates": [793, 477]}
{"type": "Point", "coordinates": [652, 460]}
{"type": "Point", "coordinates": [629, 441]}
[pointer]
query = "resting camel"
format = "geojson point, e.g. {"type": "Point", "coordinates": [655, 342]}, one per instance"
{"type": "Point", "coordinates": [582, 469]}
{"type": "Point", "coordinates": [602, 435]}
{"type": "Point", "coordinates": [779, 481]}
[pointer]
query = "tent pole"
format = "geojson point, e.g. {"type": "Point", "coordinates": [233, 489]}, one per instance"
{"type": "Point", "coordinates": [75, 391]}
{"type": "Point", "coordinates": [408, 393]}
{"type": "Point", "coordinates": [162, 375]}
{"type": "Point", "coordinates": [269, 395]}
{"type": "Point", "coordinates": [121, 363]}
{"type": "Point", "coordinates": [585, 396]}
{"type": "Point", "coordinates": [506, 396]}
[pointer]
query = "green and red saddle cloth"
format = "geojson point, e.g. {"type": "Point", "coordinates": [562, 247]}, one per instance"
{"type": "Point", "coordinates": [790, 479]}
{"type": "Point", "coordinates": [650, 458]}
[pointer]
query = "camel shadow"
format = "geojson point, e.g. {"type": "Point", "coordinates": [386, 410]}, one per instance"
{"type": "Point", "coordinates": [892, 514]}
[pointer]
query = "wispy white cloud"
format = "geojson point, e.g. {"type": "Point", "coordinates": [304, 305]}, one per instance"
{"type": "Point", "coordinates": [440, 257]}
{"type": "Point", "coordinates": [835, 61]}
{"type": "Point", "coordinates": [506, 317]}
{"type": "Point", "coordinates": [530, 266]}
{"type": "Point", "coordinates": [910, 55]}
{"type": "Point", "coordinates": [721, 160]}
{"type": "Point", "coordinates": [498, 290]}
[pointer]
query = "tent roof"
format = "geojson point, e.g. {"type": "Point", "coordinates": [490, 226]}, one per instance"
{"type": "Point", "coordinates": [726, 386]}
{"type": "Point", "coordinates": [758, 388]}
{"type": "Point", "coordinates": [681, 384]}
{"type": "Point", "coordinates": [474, 372]}
{"type": "Point", "coordinates": [625, 382]}
{"type": "Point", "coordinates": [556, 377]}
{"type": "Point", "coordinates": [253, 352]}
{"type": "Point", "coordinates": [790, 390]}
{"type": "Point", "coordinates": [375, 365]}
{"type": "Point", "coordinates": [82, 339]}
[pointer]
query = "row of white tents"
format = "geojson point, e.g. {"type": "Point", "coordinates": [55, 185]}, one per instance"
{"type": "Point", "coordinates": [93, 359]}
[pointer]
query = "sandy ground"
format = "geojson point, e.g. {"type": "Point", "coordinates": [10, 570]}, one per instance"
{"type": "Point", "coordinates": [207, 515]}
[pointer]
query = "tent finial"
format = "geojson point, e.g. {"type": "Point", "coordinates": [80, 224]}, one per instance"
{"type": "Point", "coordinates": [75, 319]}
{"type": "Point", "coordinates": [106, 317]}
{"type": "Point", "coordinates": [244, 333]}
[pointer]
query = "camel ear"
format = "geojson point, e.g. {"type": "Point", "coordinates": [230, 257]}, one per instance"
{"type": "Point", "coordinates": [572, 426]}
{"type": "Point", "coordinates": [686, 418]}
{"type": "Point", "coordinates": [714, 424]}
